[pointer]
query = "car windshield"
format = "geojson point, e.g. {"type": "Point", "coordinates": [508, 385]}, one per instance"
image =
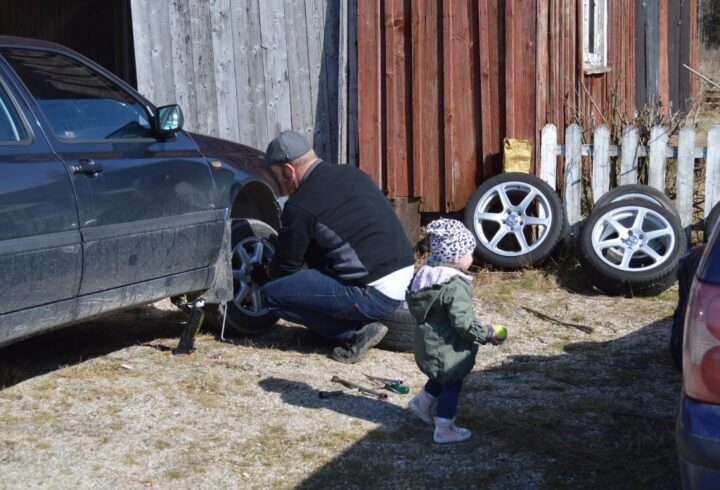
{"type": "Point", "coordinates": [78, 102]}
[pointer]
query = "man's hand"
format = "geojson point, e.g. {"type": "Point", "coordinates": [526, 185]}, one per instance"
{"type": "Point", "coordinates": [259, 275]}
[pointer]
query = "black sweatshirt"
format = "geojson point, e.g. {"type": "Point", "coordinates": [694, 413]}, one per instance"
{"type": "Point", "coordinates": [339, 219]}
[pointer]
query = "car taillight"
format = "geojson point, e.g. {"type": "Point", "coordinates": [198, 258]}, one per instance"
{"type": "Point", "coordinates": [701, 344]}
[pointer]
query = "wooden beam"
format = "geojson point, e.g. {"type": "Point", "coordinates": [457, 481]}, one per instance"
{"type": "Point", "coordinates": [369, 97]}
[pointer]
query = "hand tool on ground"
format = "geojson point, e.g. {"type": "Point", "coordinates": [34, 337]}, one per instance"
{"type": "Point", "coordinates": [361, 389]}
{"type": "Point", "coordinates": [330, 394]}
{"type": "Point", "coordinates": [394, 385]}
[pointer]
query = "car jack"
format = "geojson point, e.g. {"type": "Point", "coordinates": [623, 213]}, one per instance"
{"type": "Point", "coordinates": [197, 316]}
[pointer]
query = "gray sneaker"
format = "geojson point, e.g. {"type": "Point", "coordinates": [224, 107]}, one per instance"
{"type": "Point", "coordinates": [367, 337]}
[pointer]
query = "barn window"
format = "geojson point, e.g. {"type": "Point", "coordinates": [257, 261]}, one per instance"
{"type": "Point", "coordinates": [595, 36]}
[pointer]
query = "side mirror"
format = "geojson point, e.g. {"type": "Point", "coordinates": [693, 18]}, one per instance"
{"type": "Point", "coordinates": [169, 120]}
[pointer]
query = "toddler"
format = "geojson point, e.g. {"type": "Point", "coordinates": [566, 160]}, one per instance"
{"type": "Point", "coordinates": [447, 336]}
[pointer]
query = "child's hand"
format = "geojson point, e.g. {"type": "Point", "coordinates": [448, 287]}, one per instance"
{"type": "Point", "coordinates": [499, 334]}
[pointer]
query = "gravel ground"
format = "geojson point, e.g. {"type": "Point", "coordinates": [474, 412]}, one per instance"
{"type": "Point", "coordinates": [106, 404]}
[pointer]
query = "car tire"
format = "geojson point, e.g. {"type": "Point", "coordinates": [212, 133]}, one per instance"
{"type": "Point", "coordinates": [401, 330]}
{"type": "Point", "coordinates": [636, 191]}
{"type": "Point", "coordinates": [253, 241]}
{"type": "Point", "coordinates": [632, 247]}
{"type": "Point", "coordinates": [711, 221]}
{"type": "Point", "coordinates": [517, 220]}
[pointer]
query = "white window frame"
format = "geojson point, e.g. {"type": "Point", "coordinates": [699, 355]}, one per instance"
{"type": "Point", "coordinates": [595, 56]}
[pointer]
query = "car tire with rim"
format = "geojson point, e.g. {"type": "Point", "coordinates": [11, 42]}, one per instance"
{"type": "Point", "coordinates": [636, 191]}
{"type": "Point", "coordinates": [517, 220]}
{"type": "Point", "coordinates": [632, 247]}
{"type": "Point", "coordinates": [401, 330]}
{"type": "Point", "coordinates": [253, 243]}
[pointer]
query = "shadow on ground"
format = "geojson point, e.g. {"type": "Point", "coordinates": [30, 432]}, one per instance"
{"type": "Point", "coordinates": [78, 343]}
{"type": "Point", "coordinates": [601, 415]}
{"type": "Point", "coordinates": [139, 326]}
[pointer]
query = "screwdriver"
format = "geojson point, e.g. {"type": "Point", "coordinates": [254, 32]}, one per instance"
{"type": "Point", "coordinates": [394, 385]}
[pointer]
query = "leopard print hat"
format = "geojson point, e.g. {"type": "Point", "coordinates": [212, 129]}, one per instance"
{"type": "Point", "coordinates": [449, 239]}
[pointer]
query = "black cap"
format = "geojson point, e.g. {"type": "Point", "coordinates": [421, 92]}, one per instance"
{"type": "Point", "coordinates": [287, 146]}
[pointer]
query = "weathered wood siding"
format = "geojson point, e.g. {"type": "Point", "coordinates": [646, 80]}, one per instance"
{"type": "Point", "coordinates": [442, 82]}
{"type": "Point", "coordinates": [245, 70]}
{"type": "Point", "coordinates": [665, 40]}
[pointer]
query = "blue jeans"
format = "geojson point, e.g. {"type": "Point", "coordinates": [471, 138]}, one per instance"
{"type": "Point", "coordinates": [330, 307]}
{"type": "Point", "coordinates": [447, 394]}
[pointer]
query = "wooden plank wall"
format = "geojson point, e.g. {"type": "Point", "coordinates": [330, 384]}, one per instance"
{"type": "Point", "coordinates": [431, 106]}
{"type": "Point", "coordinates": [245, 70]}
{"type": "Point", "coordinates": [681, 25]}
{"type": "Point", "coordinates": [666, 37]}
{"type": "Point", "coordinates": [442, 83]}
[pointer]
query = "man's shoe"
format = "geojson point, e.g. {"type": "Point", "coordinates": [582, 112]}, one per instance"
{"type": "Point", "coordinates": [367, 337]}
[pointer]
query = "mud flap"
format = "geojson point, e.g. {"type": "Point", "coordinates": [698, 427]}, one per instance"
{"type": "Point", "coordinates": [220, 283]}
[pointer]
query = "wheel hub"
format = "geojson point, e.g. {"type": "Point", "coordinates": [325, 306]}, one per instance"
{"type": "Point", "coordinates": [513, 221]}
{"type": "Point", "coordinates": [632, 241]}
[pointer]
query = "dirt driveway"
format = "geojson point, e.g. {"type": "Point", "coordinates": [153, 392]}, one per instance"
{"type": "Point", "coordinates": [106, 405]}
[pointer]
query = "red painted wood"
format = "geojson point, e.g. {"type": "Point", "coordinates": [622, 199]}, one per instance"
{"type": "Point", "coordinates": [461, 102]}
{"type": "Point", "coordinates": [492, 103]}
{"type": "Point", "coordinates": [442, 82]}
{"type": "Point", "coordinates": [369, 138]}
{"type": "Point", "coordinates": [397, 106]}
{"type": "Point", "coordinates": [427, 136]}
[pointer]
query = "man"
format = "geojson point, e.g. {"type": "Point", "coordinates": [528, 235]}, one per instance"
{"type": "Point", "coordinates": [359, 261]}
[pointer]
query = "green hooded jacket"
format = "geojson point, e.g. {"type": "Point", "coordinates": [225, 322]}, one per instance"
{"type": "Point", "coordinates": [447, 334]}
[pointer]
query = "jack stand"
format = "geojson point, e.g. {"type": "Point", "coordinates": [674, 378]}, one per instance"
{"type": "Point", "coordinates": [187, 339]}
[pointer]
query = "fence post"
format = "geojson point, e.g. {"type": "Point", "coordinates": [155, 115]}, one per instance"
{"type": "Point", "coordinates": [629, 156]}
{"type": "Point", "coordinates": [600, 162]}
{"type": "Point", "coordinates": [712, 170]}
{"type": "Point", "coordinates": [548, 154]}
{"type": "Point", "coordinates": [686, 165]}
{"type": "Point", "coordinates": [657, 164]}
{"type": "Point", "coordinates": [573, 174]}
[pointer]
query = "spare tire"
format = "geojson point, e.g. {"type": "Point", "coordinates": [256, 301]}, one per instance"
{"type": "Point", "coordinates": [636, 191]}
{"type": "Point", "coordinates": [517, 220]}
{"type": "Point", "coordinates": [632, 247]}
{"type": "Point", "coordinates": [401, 330]}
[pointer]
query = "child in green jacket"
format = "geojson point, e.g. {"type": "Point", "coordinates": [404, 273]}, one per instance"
{"type": "Point", "coordinates": [447, 337]}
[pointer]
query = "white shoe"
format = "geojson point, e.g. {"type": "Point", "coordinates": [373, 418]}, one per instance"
{"type": "Point", "coordinates": [446, 431]}
{"type": "Point", "coordinates": [421, 405]}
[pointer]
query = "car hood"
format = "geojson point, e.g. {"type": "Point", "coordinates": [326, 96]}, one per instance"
{"type": "Point", "coordinates": [241, 157]}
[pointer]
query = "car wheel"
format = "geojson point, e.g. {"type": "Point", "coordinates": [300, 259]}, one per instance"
{"type": "Point", "coordinates": [401, 330]}
{"type": "Point", "coordinates": [253, 242]}
{"type": "Point", "coordinates": [632, 247]}
{"type": "Point", "coordinates": [636, 191]}
{"type": "Point", "coordinates": [711, 221]}
{"type": "Point", "coordinates": [517, 220]}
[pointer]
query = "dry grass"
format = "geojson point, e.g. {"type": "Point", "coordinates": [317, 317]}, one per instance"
{"type": "Point", "coordinates": [552, 408]}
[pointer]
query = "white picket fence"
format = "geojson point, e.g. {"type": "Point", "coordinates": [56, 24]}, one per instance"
{"type": "Point", "coordinates": [629, 151]}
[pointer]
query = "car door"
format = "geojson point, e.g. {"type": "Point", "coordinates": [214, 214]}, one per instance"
{"type": "Point", "coordinates": [146, 204]}
{"type": "Point", "coordinates": [40, 250]}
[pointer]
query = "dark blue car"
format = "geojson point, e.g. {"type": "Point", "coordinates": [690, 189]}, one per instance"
{"type": "Point", "coordinates": [697, 433]}
{"type": "Point", "coordinates": [106, 203]}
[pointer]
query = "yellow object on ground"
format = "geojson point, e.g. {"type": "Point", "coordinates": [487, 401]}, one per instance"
{"type": "Point", "coordinates": [516, 155]}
